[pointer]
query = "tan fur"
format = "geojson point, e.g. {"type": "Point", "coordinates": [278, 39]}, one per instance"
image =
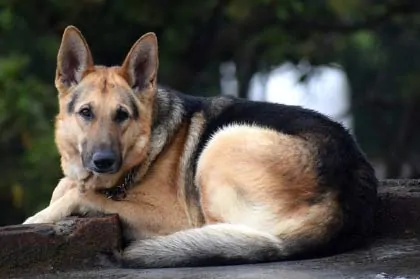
{"type": "Point", "coordinates": [265, 180]}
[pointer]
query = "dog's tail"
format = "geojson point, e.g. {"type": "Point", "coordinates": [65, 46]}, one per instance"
{"type": "Point", "coordinates": [219, 244]}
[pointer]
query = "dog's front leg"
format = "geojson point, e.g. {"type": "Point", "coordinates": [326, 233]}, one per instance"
{"type": "Point", "coordinates": [58, 209]}
{"type": "Point", "coordinates": [63, 186]}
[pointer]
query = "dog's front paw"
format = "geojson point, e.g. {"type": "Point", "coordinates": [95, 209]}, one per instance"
{"type": "Point", "coordinates": [38, 219]}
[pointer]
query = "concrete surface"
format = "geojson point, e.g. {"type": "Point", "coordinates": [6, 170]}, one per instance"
{"type": "Point", "coordinates": [386, 259]}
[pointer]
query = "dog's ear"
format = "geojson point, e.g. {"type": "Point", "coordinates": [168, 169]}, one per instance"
{"type": "Point", "coordinates": [74, 59]}
{"type": "Point", "coordinates": [141, 64]}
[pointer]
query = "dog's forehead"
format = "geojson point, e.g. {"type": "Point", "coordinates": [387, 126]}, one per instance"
{"type": "Point", "coordinates": [106, 80]}
{"type": "Point", "coordinates": [104, 83]}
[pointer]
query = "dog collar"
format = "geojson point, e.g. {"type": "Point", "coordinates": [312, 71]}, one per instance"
{"type": "Point", "coordinates": [119, 192]}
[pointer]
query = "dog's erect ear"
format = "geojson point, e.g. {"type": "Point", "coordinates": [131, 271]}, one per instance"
{"type": "Point", "coordinates": [73, 60]}
{"type": "Point", "coordinates": [141, 64]}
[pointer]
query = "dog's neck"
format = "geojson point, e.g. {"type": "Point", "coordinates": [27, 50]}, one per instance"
{"type": "Point", "coordinates": [167, 118]}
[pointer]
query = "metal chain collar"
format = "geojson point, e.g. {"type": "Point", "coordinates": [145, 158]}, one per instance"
{"type": "Point", "coordinates": [119, 192]}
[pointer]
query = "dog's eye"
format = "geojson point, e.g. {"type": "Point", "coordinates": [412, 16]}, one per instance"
{"type": "Point", "coordinates": [86, 113]}
{"type": "Point", "coordinates": [121, 115]}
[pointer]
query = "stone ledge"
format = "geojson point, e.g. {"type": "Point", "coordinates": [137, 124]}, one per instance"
{"type": "Point", "coordinates": [72, 243]}
{"type": "Point", "coordinates": [383, 259]}
{"type": "Point", "coordinates": [398, 213]}
{"type": "Point", "coordinates": [83, 243]}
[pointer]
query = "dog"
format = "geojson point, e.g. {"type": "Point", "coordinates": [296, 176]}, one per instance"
{"type": "Point", "coordinates": [202, 181]}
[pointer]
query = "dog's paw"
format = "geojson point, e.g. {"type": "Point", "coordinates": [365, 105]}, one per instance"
{"type": "Point", "coordinates": [38, 219]}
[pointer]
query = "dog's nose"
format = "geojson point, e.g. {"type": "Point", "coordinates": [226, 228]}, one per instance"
{"type": "Point", "coordinates": [104, 161]}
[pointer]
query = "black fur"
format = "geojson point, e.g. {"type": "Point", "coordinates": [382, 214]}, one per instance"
{"type": "Point", "coordinates": [133, 107]}
{"type": "Point", "coordinates": [71, 104]}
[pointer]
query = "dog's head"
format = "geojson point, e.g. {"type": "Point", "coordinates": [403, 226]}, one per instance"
{"type": "Point", "coordinates": [105, 113]}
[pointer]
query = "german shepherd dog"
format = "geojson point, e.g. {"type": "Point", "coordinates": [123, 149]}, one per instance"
{"type": "Point", "coordinates": [202, 181]}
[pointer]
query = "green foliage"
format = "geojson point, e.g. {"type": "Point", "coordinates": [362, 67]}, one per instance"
{"type": "Point", "coordinates": [376, 42]}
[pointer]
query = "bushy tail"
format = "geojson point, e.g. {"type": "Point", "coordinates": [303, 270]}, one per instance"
{"type": "Point", "coordinates": [219, 244]}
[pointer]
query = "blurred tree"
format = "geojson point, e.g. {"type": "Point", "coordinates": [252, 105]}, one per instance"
{"type": "Point", "coordinates": [377, 43]}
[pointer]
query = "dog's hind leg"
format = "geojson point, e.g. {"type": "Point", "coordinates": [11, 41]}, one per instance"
{"type": "Point", "coordinates": [267, 181]}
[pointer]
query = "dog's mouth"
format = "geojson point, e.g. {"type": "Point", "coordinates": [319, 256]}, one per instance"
{"type": "Point", "coordinates": [101, 180]}
{"type": "Point", "coordinates": [98, 171]}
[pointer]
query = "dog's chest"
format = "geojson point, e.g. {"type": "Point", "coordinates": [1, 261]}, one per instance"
{"type": "Point", "coordinates": [159, 199]}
